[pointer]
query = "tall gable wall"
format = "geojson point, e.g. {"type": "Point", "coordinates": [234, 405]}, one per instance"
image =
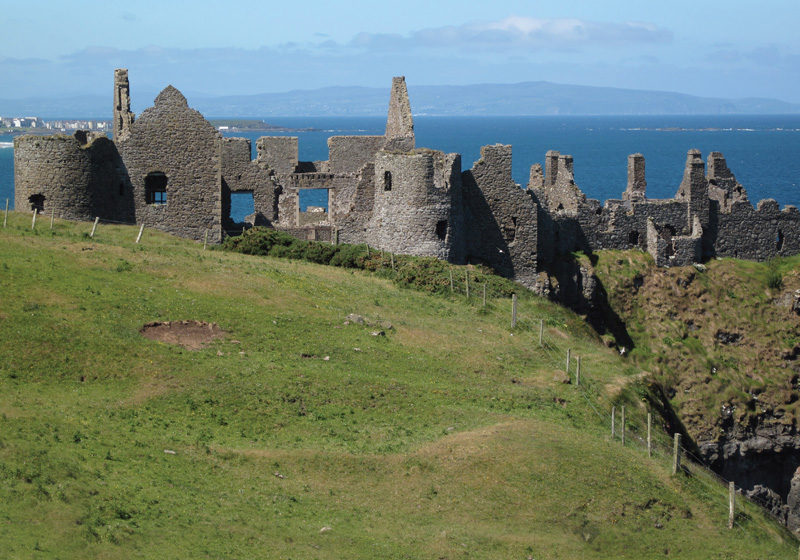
{"type": "Point", "coordinates": [173, 139]}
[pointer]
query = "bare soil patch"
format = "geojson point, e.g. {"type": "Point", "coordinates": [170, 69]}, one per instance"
{"type": "Point", "coordinates": [192, 335]}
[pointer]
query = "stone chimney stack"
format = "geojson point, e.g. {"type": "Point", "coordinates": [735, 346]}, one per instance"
{"type": "Point", "coordinates": [635, 191]}
{"type": "Point", "coordinates": [123, 118]}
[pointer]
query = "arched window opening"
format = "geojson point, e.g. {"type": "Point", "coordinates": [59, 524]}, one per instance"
{"type": "Point", "coordinates": [155, 187]}
{"type": "Point", "coordinates": [779, 241]}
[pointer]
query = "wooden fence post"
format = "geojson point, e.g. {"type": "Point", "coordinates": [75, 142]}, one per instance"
{"type": "Point", "coordinates": [541, 332]}
{"type": "Point", "coordinates": [94, 227]}
{"type": "Point", "coordinates": [451, 280]}
{"type": "Point", "coordinates": [622, 427]}
{"type": "Point", "coordinates": [139, 237]}
{"type": "Point", "coordinates": [731, 503]}
{"type": "Point", "coordinates": [205, 241]}
{"type": "Point", "coordinates": [649, 434]}
{"type": "Point", "coordinates": [466, 279]}
{"type": "Point", "coordinates": [484, 294]}
{"type": "Point", "coordinates": [33, 223]}
{"type": "Point", "coordinates": [513, 311]}
{"type": "Point", "coordinates": [569, 350]}
{"type": "Point", "coordinates": [367, 246]}
{"type": "Point", "coordinates": [676, 454]}
{"type": "Point", "coordinates": [613, 421]}
{"type": "Point", "coordinates": [5, 219]}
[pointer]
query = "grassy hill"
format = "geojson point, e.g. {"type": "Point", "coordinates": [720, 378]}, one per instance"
{"type": "Point", "coordinates": [302, 435]}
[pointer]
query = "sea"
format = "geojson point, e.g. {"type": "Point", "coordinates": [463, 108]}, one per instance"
{"type": "Point", "coordinates": [763, 151]}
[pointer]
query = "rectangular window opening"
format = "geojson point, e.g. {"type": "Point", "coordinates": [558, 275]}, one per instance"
{"type": "Point", "coordinates": [242, 205]}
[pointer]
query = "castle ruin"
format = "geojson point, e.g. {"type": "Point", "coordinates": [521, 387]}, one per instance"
{"type": "Point", "coordinates": [172, 170]}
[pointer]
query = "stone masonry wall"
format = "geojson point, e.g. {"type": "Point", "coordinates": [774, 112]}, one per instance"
{"type": "Point", "coordinates": [173, 139]}
{"type": "Point", "coordinates": [241, 174]}
{"type": "Point", "coordinates": [279, 152]}
{"type": "Point", "coordinates": [502, 218]}
{"type": "Point", "coordinates": [348, 154]}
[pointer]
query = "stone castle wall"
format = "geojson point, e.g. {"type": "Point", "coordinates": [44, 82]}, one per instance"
{"type": "Point", "coordinates": [503, 219]}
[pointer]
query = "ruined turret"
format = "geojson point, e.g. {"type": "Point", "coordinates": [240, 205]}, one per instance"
{"type": "Point", "coordinates": [123, 118]}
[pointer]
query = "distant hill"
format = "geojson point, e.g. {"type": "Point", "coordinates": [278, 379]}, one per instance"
{"type": "Point", "coordinates": [526, 98]}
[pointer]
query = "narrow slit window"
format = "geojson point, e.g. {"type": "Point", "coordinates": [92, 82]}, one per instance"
{"type": "Point", "coordinates": [387, 180]}
{"type": "Point", "coordinates": [441, 229]}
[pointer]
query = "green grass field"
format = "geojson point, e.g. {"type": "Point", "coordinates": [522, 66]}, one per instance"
{"type": "Point", "coordinates": [300, 436]}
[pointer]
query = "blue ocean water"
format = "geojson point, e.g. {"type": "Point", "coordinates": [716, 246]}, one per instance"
{"type": "Point", "coordinates": [763, 151]}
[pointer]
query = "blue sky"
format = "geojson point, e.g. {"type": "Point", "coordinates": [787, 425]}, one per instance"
{"type": "Point", "coordinates": [711, 48]}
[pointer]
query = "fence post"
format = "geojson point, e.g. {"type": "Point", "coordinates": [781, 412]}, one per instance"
{"type": "Point", "coordinates": [484, 294]}
{"type": "Point", "coordinates": [649, 434]}
{"type": "Point", "coordinates": [52, 216]}
{"type": "Point", "coordinates": [466, 277]}
{"type": "Point", "coordinates": [33, 223]}
{"type": "Point", "coordinates": [541, 332]}
{"type": "Point", "coordinates": [367, 246]}
{"type": "Point", "coordinates": [5, 219]}
{"type": "Point", "coordinates": [569, 351]}
{"type": "Point", "coordinates": [732, 504]}
{"type": "Point", "coordinates": [205, 241]}
{"type": "Point", "coordinates": [451, 280]}
{"type": "Point", "coordinates": [676, 458]}
{"type": "Point", "coordinates": [94, 227]}
{"type": "Point", "coordinates": [513, 311]}
{"type": "Point", "coordinates": [622, 427]}
{"type": "Point", "coordinates": [613, 421]}
{"type": "Point", "coordinates": [578, 372]}
{"type": "Point", "coordinates": [139, 237]}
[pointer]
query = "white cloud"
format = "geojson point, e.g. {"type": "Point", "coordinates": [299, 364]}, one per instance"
{"type": "Point", "coordinates": [520, 32]}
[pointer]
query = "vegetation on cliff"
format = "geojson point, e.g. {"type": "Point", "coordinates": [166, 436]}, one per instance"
{"type": "Point", "coordinates": [433, 433]}
{"type": "Point", "coordinates": [723, 339]}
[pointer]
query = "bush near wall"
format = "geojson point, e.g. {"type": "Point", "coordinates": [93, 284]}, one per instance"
{"type": "Point", "coordinates": [425, 274]}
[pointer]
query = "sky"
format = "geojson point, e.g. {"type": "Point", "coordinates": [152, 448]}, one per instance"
{"type": "Point", "coordinates": [723, 49]}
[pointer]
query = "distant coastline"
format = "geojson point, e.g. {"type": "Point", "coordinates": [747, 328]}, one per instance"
{"type": "Point", "coordinates": [223, 125]}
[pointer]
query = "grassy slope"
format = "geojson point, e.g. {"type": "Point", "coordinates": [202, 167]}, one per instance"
{"type": "Point", "coordinates": [722, 344]}
{"type": "Point", "coordinates": [446, 438]}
